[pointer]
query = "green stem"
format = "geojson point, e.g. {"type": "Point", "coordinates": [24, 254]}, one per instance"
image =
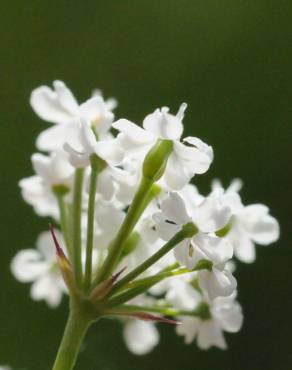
{"type": "Point", "coordinates": [76, 230]}
{"type": "Point", "coordinates": [75, 331]}
{"type": "Point", "coordinates": [90, 222]}
{"type": "Point", "coordinates": [167, 311]}
{"type": "Point", "coordinates": [153, 192]}
{"type": "Point", "coordinates": [64, 221]}
{"type": "Point", "coordinates": [127, 227]}
{"type": "Point", "coordinates": [187, 231]}
{"type": "Point", "coordinates": [157, 278]}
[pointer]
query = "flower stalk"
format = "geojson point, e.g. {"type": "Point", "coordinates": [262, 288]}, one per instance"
{"type": "Point", "coordinates": [90, 221]}
{"type": "Point", "coordinates": [187, 231]}
{"type": "Point", "coordinates": [76, 225]}
{"type": "Point", "coordinates": [60, 192]}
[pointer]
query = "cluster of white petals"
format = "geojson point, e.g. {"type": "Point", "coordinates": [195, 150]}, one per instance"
{"type": "Point", "coordinates": [205, 296]}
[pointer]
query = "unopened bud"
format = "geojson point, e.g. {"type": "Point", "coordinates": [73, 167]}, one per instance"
{"type": "Point", "coordinates": [156, 159]}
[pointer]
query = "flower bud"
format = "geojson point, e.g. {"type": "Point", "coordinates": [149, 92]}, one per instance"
{"type": "Point", "coordinates": [156, 159]}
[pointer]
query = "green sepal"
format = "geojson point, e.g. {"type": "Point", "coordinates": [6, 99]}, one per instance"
{"type": "Point", "coordinates": [225, 230]}
{"type": "Point", "coordinates": [60, 190]}
{"type": "Point", "coordinates": [204, 265]}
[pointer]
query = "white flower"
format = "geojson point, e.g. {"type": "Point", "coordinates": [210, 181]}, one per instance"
{"type": "Point", "coordinates": [39, 267]}
{"type": "Point", "coordinates": [60, 107]}
{"type": "Point", "coordinates": [182, 295]}
{"type": "Point", "coordinates": [184, 162]}
{"type": "Point", "coordinates": [250, 225]}
{"type": "Point", "coordinates": [53, 170]}
{"type": "Point", "coordinates": [140, 336]}
{"type": "Point", "coordinates": [223, 314]}
{"type": "Point", "coordinates": [219, 282]}
{"type": "Point", "coordinates": [87, 144]}
{"type": "Point", "coordinates": [226, 315]}
{"type": "Point", "coordinates": [209, 216]}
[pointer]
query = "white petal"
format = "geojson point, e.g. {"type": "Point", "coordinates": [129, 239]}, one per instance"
{"type": "Point", "coordinates": [228, 314]}
{"type": "Point", "coordinates": [61, 170]}
{"type": "Point", "coordinates": [133, 132]}
{"type": "Point", "coordinates": [187, 255]}
{"type": "Point", "coordinates": [210, 334]}
{"type": "Point", "coordinates": [183, 296]}
{"type": "Point", "coordinates": [109, 218]}
{"type": "Point", "coordinates": [87, 137]}
{"type": "Point", "coordinates": [217, 249]}
{"type": "Point", "coordinates": [174, 209]}
{"type": "Point", "coordinates": [188, 328]}
{"type": "Point", "coordinates": [140, 336]}
{"type": "Point", "coordinates": [163, 125]}
{"type": "Point", "coordinates": [54, 137]}
{"type": "Point", "coordinates": [65, 97]}
{"type": "Point", "coordinates": [105, 185]}
{"type": "Point", "coordinates": [217, 283]}
{"type": "Point", "coordinates": [97, 113]}
{"type": "Point", "coordinates": [262, 228]}
{"type": "Point", "coordinates": [164, 229]}
{"type": "Point", "coordinates": [203, 147]}
{"type": "Point", "coordinates": [77, 159]}
{"type": "Point", "coordinates": [175, 175]}
{"type": "Point", "coordinates": [110, 151]}
{"type": "Point", "coordinates": [51, 106]}
{"type": "Point", "coordinates": [41, 164]}
{"type": "Point", "coordinates": [194, 160]}
{"type": "Point", "coordinates": [27, 265]}
{"type": "Point", "coordinates": [235, 186]}
{"type": "Point", "coordinates": [40, 197]}
{"type": "Point", "coordinates": [244, 248]}
{"type": "Point", "coordinates": [48, 289]}
{"type": "Point", "coordinates": [211, 216]}
{"type": "Point", "coordinates": [191, 197]}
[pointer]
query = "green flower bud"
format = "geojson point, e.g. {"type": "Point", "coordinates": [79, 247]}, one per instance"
{"type": "Point", "coordinates": [156, 159]}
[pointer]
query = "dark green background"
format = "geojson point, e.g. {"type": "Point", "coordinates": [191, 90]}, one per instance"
{"type": "Point", "coordinates": [232, 62]}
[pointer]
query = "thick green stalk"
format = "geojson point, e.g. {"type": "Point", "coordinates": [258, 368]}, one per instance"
{"type": "Point", "coordinates": [76, 225]}
{"type": "Point", "coordinates": [90, 221]}
{"type": "Point", "coordinates": [75, 331]}
{"type": "Point", "coordinates": [127, 227]}
{"type": "Point", "coordinates": [187, 231]}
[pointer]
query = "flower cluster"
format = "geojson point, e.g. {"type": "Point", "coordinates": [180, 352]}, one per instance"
{"type": "Point", "coordinates": [136, 239]}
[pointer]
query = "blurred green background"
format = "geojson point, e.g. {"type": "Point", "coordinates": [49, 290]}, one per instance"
{"type": "Point", "coordinates": [231, 61]}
